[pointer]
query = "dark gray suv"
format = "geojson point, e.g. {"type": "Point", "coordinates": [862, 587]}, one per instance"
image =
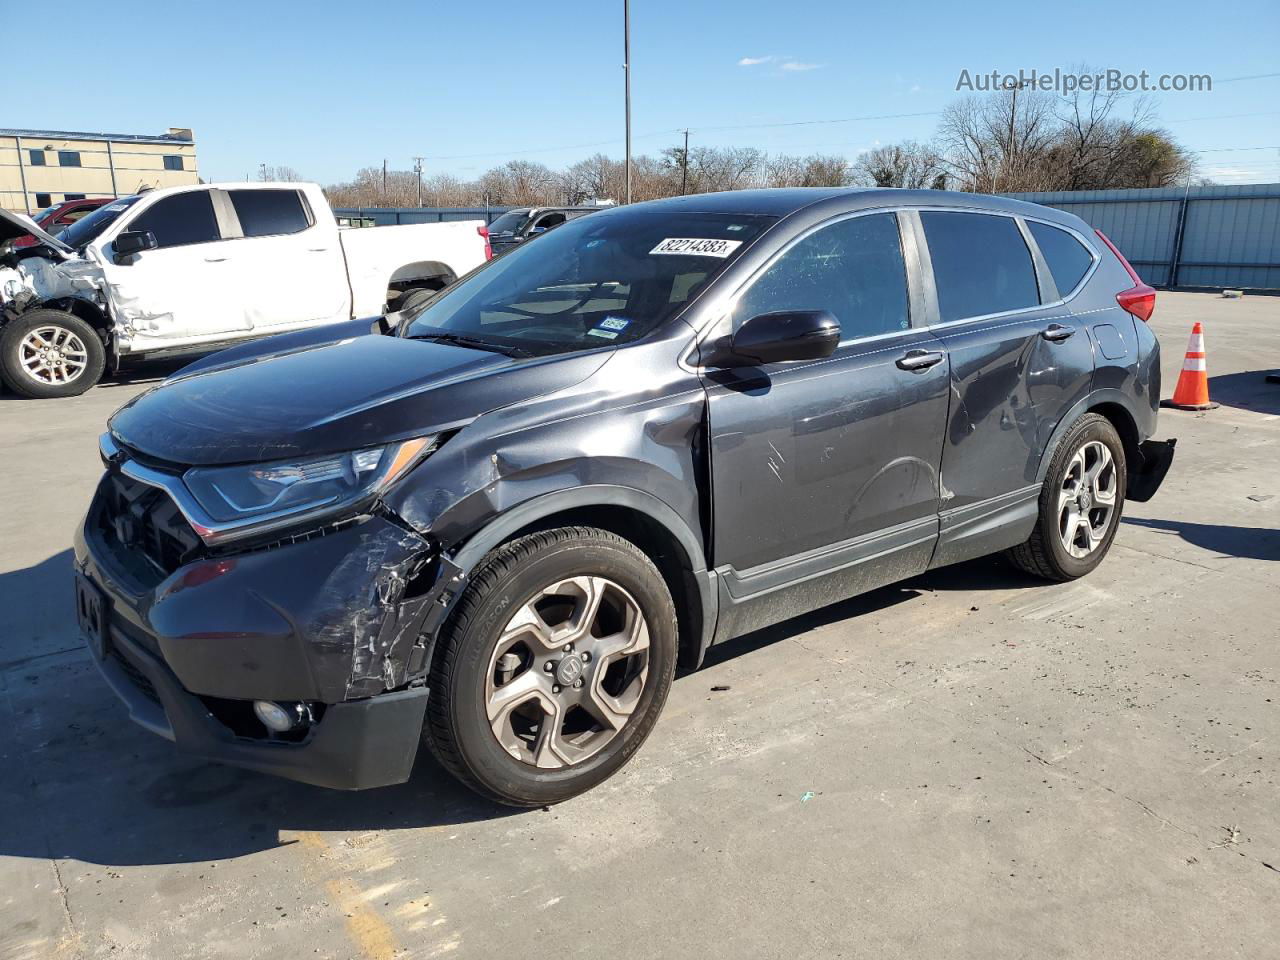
{"type": "Point", "coordinates": [501, 521]}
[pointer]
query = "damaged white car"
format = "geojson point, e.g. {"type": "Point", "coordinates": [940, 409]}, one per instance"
{"type": "Point", "coordinates": [187, 270]}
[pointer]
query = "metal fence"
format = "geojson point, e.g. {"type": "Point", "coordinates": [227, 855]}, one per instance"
{"type": "Point", "coordinates": [1177, 237]}
{"type": "Point", "coordinates": [385, 216]}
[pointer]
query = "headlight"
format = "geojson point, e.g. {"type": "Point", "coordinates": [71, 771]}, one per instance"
{"type": "Point", "coordinates": [243, 495]}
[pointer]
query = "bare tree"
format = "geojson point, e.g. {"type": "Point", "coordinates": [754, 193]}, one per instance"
{"type": "Point", "coordinates": [1000, 141]}
{"type": "Point", "coordinates": [916, 166]}
{"type": "Point", "coordinates": [281, 174]}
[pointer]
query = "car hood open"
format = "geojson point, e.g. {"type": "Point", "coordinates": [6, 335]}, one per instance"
{"type": "Point", "coordinates": [14, 226]}
{"type": "Point", "coordinates": [344, 395]}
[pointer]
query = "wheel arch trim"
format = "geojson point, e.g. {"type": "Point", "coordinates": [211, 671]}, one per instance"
{"type": "Point", "coordinates": [606, 496]}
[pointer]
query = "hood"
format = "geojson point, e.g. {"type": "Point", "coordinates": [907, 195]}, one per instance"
{"type": "Point", "coordinates": [14, 226]}
{"type": "Point", "coordinates": [326, 398]}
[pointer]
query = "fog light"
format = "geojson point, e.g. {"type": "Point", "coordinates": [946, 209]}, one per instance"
{"type": "Point", "coordinates": [274, 717]}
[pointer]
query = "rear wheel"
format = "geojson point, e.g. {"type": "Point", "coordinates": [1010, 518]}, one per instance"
{"type": "Point", "coordinates": [1080, 503]}
{"type": "Point", "coordinates": [554, 667]}
{"type": "Point", "coordinates": [414, 298]}
{"type": "Point", "coordinates": [50, 353]}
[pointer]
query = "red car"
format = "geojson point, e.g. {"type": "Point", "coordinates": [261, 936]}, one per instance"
{"type": "Point", "coordinates": [62, 215]}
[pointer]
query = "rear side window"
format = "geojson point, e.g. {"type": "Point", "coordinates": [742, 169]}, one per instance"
{"type": "Point", "coordinates": [1067, 257]}
{"type": "Point", "coordinates": [269, 213]}
{"type": "Point", "coordinates": [853, 268]}
{"type": "Point", "coordinates": [179, 220]}
{"type": "Point", "coordinates": [981, 264]}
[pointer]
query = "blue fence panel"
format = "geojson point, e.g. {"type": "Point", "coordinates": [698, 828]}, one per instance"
{"type": "Point", "coordinates": [385, 216]}
{"type": "Point", "coordinates": [1216, 236]}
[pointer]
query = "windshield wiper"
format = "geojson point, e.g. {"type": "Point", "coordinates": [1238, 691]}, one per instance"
{"type": "Point", "coordinates": [475, 342]}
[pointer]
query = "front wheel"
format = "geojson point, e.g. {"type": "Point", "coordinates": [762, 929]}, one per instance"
{"type": "Point", "coordinates": [554, 667]}
{"type": "Point", "coordinates": [1080, 503]}
{"type": "Point", "coordinates": [50, 353]}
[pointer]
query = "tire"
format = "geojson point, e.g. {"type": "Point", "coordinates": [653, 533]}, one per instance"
{"type": "Point", "coordinates": [482, 663]}
{"type": "Point", "coordinates": [413, 298]}
{"type": "Point", "coordinates": [1061, 548]}
{"type": "Point", "coordinates": [81, 357]}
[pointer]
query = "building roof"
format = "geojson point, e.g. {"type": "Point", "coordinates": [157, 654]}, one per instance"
{"type": "Point", "coordinates": [175, 135]}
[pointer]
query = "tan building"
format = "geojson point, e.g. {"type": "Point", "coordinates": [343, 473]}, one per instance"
{"type": "Point", "coordinates": [42, 167]}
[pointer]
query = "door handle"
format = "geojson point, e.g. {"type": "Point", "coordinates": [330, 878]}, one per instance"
{"type": "Point", "coordinates": [1057, 332]}
{"type": "Point", "coordinates": [214, 259]}
{"type": "Point", "coordinates": [919, 359]}
{"type": "Point", "coordinates": [317, 249]}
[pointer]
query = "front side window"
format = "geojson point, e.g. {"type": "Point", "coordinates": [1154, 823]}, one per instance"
{"type": "Point", "coordinates": [603, 280]}
{"type": "Point", "coordinates": [68, 158]}
{"type": "Point", "coordinates": [853, 269]}
{"type": "Point", "coordinates": [269, 213]}
{"type": "Point", "coordinates": [981, 264]}
{"type": "Point", "coordinates": [1066, 256]}
{"type": "Point", "coordinates": [179, 220]}
{"type": "Point", "coordinates": [37, 158]}
{"type": "Point", "coordinates": [173, 162]}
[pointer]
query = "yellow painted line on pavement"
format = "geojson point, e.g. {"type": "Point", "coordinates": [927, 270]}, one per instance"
{"type": "Point", "coordinates": [366, 929]}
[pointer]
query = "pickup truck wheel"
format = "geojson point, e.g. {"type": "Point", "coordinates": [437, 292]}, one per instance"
{"type": "Point", "coordinates": [553, 668]}
{"type": "Point", "coordinates": [414, 298]}
{"type": "Point", "coordinates": [1080, 503]}
{"type": "Point", "coordinates": [50, 353]}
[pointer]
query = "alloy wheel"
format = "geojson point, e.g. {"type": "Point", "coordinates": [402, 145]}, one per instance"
{"type": "Point", "coordinates": [567, 672]}
{"type": "Point", "coordinates": [1087, 499]}
{"type": "Point", "coordinates": [52, 355]}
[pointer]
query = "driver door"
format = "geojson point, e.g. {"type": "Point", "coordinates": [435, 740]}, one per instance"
{"type": "Point", "coordinates": [825, 473]}
{"type": "Point", "coordinates": [187, 287]}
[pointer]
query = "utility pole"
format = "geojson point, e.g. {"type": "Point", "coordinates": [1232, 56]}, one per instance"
{"type": "Point", "coordinates": [626, 66]}
{"type": "Point", "coordinates": [384, 179]}
{"type": "Point", "coordinates": [417, 168]}
{"type": "Point", "coordinates": [684, 165]}
{"type": "Point", "coordinates": [1008, 151]}
{"type": "Point", "coordinates": [262, 171]}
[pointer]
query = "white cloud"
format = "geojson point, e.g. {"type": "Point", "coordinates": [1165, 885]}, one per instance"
{"type": "Point", "coordinates": [796, 65]}
{"type": "Point", "coordinates": [755, 61]}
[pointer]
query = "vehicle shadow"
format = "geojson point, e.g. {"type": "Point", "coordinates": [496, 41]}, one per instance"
{"type": "Point", "coordinates": [1249, 543]}
{"type": "Point", "coordinates": [1248, 390]}
{"type": "Point", "coordinates": [111, 794]}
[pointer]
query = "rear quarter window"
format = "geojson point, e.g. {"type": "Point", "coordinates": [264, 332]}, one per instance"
{"type": "Point", "coordinates": [981, 264]}
{"type": "Point", "coordinates": [1068, 259]}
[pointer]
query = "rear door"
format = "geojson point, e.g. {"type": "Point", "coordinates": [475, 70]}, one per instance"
{"type": "Point", "coordinates": [184, 288]}
{"type": "Point", "coordinates": [1018, 363]}
{"type": "Point", "coordinates": [825, 473]}
{"type": "Point", "coordinates": [290, 264]}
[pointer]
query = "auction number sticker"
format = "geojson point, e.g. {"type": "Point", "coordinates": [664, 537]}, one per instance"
{"type": "Point", "coordinates": [690, 247]}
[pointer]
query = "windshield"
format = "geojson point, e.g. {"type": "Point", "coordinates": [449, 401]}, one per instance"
{"type": "Point", "coordinates": [604, 279]}
{"type": "Point", "coordinates": [509, 222]}
{"type": "Point", "coordinates": [88, 228]}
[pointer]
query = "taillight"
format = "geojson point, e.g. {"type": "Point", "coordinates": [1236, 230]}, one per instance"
{"type": "Point", "coordinates": [488, 248]}
{"type": "Point", "coordinates": [1140, 299]}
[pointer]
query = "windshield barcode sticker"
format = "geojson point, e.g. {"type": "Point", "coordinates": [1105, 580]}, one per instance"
{"type": "Point", "coordinates": [688, 247]}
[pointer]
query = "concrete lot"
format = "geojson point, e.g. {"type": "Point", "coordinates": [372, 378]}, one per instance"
{"type": "Point", "coordinates": [970, 764]}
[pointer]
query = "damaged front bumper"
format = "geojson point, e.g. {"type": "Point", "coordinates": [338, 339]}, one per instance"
{"type": "Point", "coordinates": [338, 621]}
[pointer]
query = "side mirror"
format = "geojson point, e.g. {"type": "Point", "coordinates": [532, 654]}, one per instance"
{"type": "Point", "coordinates": [133, 242]}
{"type": "Point", "coordinates": [777, 338]}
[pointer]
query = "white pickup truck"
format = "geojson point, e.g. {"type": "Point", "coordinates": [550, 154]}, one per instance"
{"type": "Point", "coordinates": [187, 270]}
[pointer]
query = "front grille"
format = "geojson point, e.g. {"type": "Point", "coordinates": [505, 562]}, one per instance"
{"type": "Point", "coordinates": [143, 528]}
{"type": "Point", "coordinates": [136, 676]}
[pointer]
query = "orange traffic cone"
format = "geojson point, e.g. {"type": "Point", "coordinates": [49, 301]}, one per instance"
{"type": "Point", "coordinates": [1192, 391]}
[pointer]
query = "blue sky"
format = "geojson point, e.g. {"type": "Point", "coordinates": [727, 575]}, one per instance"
{"type": "Point", "coordinates": [329, 87]}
